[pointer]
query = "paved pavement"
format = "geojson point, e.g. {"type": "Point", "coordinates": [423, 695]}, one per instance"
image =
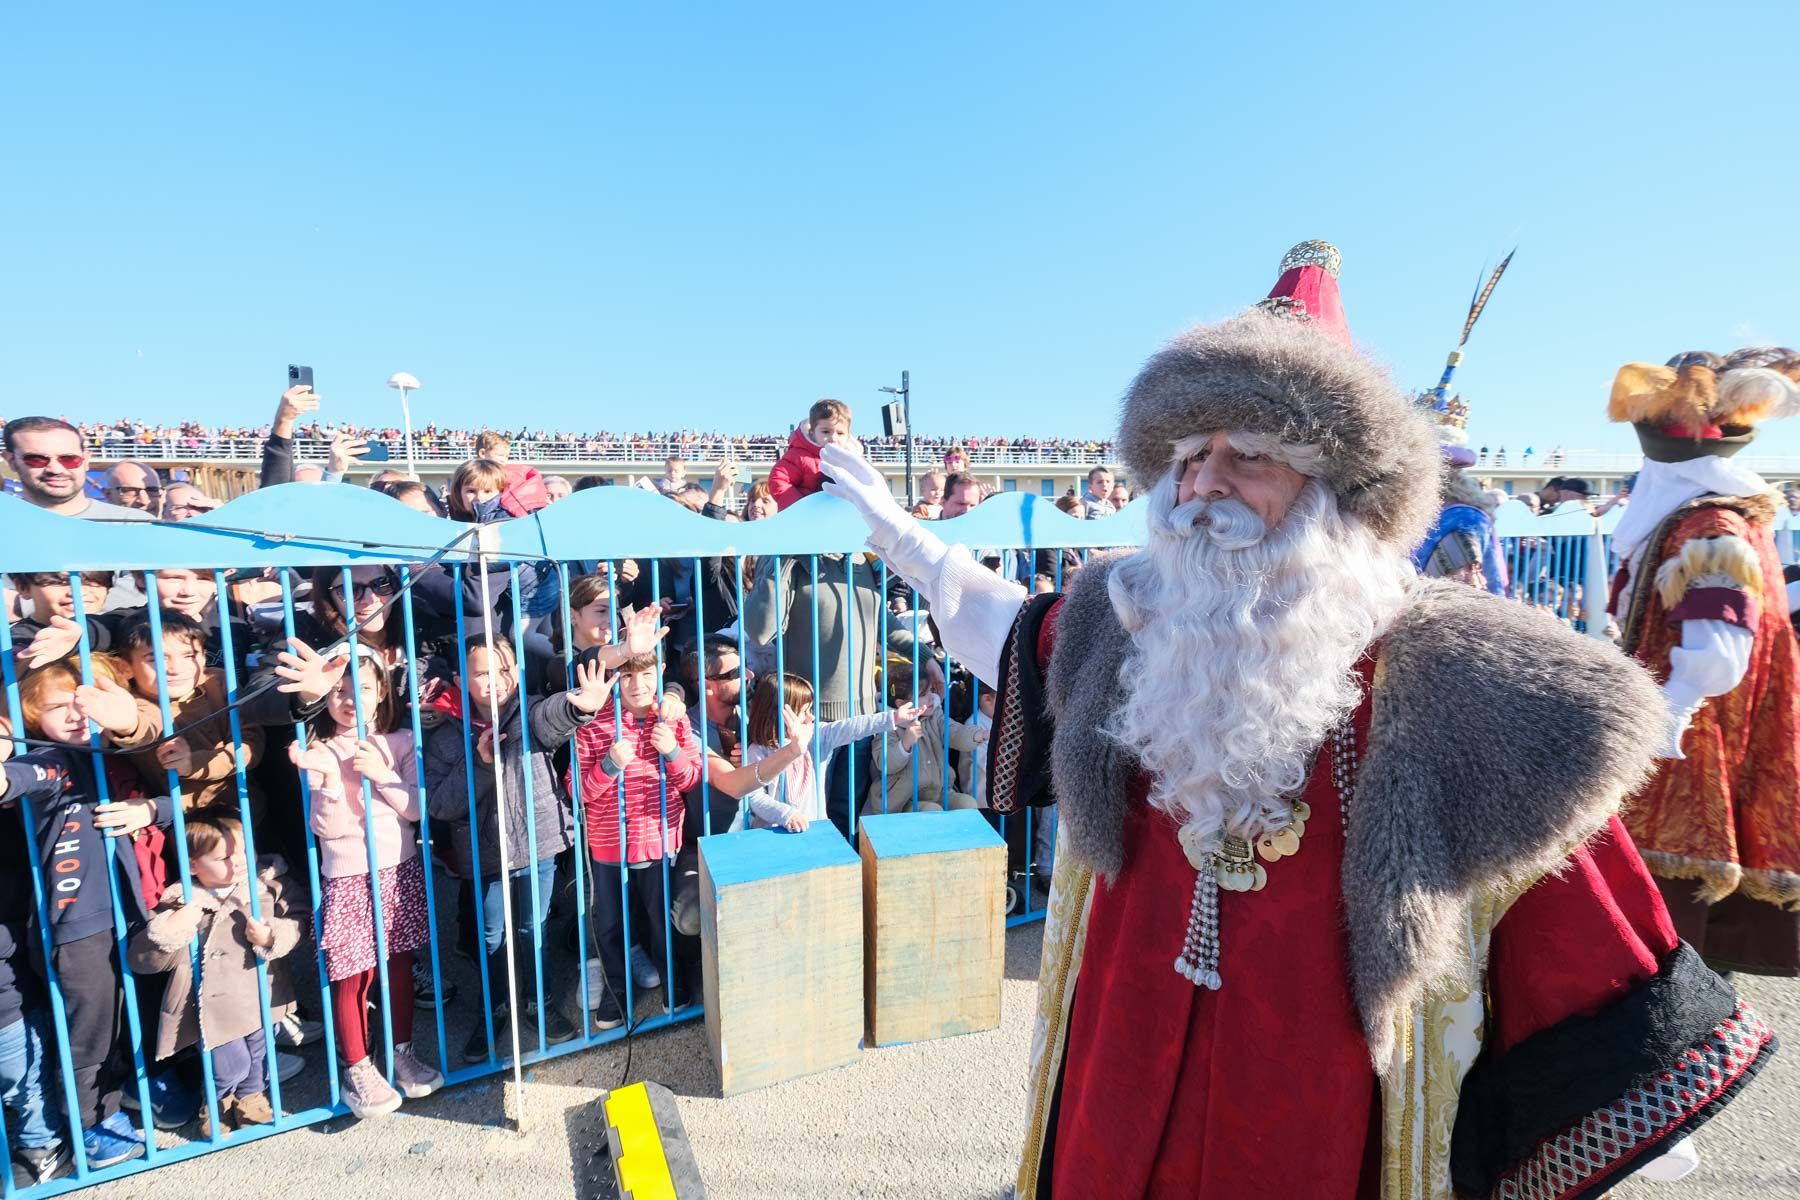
{"type": "Point", "coordinates": [937, 1119]}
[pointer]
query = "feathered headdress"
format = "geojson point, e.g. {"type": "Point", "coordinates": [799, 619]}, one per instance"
{"type": "Point", "coordinates": [1700, 404]}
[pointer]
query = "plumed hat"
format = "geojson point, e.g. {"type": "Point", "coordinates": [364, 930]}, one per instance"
{"type": "Point", "coordinates": [1700, 404]}
{"type": "Point", "coordinates": [1287, 369]}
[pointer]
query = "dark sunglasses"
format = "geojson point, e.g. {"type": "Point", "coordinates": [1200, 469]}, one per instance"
{"type": "Point", "coordinates": [737, 672]}
{"type": "Point", "coordinates": [67, 462]}
{"type": "Point", "coordinates": [381, 585]}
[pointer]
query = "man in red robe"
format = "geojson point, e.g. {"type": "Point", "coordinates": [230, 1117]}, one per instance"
{"type": "Point", "coordinates": [1701, 600]}
{"type": "Point", "coordinates": [1341, 905]}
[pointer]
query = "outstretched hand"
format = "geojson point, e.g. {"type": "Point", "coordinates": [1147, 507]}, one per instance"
{"type": "Point", "coordinates": [855, 479]}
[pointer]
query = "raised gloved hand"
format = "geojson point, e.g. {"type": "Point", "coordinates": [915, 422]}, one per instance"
{"type": "Point", "coordinates": [854, 479]}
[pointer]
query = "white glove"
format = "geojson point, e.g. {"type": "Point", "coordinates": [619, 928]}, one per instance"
{"type": "Point", "coordinates": [854, 479]}
{"type": "Point", "coordinates": [1678, 727]}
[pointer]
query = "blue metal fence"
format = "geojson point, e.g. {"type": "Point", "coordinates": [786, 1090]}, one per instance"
{"type": "Point", "coordinates": [328, 550]}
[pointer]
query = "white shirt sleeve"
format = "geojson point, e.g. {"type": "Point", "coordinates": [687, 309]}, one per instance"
{"type": "Point", "coordinates": [1711, 660]}
{"type": "Point", "coordinates": [973, 607]}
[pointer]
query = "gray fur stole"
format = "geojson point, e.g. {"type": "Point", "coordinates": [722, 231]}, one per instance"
{"type": "Point", "coordinates": [1499, 740]}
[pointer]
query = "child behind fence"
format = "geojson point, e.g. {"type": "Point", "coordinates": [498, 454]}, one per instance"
{"type": "Point", "coordinates": [199, 749]}
{"type": "Point", "coordinates": [921, 743]}
{"type": "Point", "coordinates": [337, 764]}
{"type": "Point", "coordinates": [232, 942]}
{"type": "Point", "coordinates": [56, 790]}
{"type": "Point", "coordinates": [634, 768]}
{"type": "Point", "coordinates": [795, 797]}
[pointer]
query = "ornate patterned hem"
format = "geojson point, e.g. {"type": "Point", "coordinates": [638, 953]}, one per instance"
{"type": "Point", "coordinates": [1594, 1153]}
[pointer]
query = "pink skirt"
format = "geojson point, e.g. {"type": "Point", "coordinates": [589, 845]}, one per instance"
{"type": "Point", "coordinates": [347, 932]}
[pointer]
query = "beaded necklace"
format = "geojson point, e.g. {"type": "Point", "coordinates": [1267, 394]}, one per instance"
{"type": "Point", "coordinates": [1229, 863]}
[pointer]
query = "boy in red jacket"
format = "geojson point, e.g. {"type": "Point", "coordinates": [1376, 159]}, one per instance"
{"type": "Point", "coordinates": [634, 767]}
{"type": "Point", "coordinates": [798, 473]}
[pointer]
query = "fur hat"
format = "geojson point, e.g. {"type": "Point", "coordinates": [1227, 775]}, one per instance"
{"type": "Point", "coordinates": [1700, 404]}
{"type": "Point", "coordinates": [1302, 382]}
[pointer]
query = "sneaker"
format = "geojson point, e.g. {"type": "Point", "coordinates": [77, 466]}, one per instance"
{"type": "Point", "coordinates": [227, 1118]}
{"type": "Point", "coordinates": [643, 969]}
{"type": "Point", "coordinates": [105, 1148]}
{"type": "Point", "coordinates": [596, 982]}
{"type": "Point", "coordinates": [253, 1109]}
{"type": "Point", "coordinates": [426, 996]}
{"type": "Point", "coordinates": [475, 1050]}
{"type": "Point", "coordinates": [295, 1030]}
{"type": "Point", "coordinates": [415, 1079]}
{"type": "Point", "coordinates": [557, 1029]}
{"type": "Point", "coordinates": [288, 1065]}
{"type": "Point", "coordinates": [120, 1126]}
{"type": "Point", "coordinates": [366, 1093]}
{"type": "Point", "coordinates": [607, 1014]}
{"type": "Point", "coordinates": [41, 1163]}
{"type": "Point", "coordinates": [172, 1101]}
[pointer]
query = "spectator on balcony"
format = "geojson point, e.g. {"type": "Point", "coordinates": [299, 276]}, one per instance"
{"type": "Point", "coordinates": [51, 462]}
{"type": "Point", "coordinates": [674, 476]}
{"type": "Point", "coordinates": [494, 447]}
{"type": "Point", "coordinates": [131, 484]}
{"type": "Point", "coordinates": [798, 473]}
{"type": "Point", "coordinates": [1098, 498]}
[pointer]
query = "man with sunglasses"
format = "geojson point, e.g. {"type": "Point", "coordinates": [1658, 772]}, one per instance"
{"type": "Point", "coordinates": [51, 463]}
{"type": "Point", "coordinates": [131, 484]}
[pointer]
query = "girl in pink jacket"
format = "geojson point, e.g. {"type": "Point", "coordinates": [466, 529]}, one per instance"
{"type": "Point", "coordinates": [337, 765]}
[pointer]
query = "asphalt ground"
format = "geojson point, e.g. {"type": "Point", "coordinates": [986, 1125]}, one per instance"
{"type": "Point", "coordinates": [936, 1119]}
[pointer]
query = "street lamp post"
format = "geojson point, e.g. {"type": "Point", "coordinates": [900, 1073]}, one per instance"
{"type": "Point", "coordinates": [404, 383]}
{"type": "Point", "coordinates": [904, 391]}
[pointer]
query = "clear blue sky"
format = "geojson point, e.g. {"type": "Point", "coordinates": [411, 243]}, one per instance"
{"type": "Point", "coordinates": [598, 217]}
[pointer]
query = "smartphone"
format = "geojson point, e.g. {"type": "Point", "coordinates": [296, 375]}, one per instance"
{"type": "Point", "coordinates": [299, 376]}
{"type": "Point", "coordinates": [378, 452]}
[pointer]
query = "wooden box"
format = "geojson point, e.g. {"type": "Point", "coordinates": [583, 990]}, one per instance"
{"type": "Point", "coordinates": [781, 939]}
{"type": "Point", "coordinates": [934, 924]}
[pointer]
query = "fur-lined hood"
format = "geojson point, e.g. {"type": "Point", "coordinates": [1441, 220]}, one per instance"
{"type": "Point", "coordinates": [1262, 373]}
{"type": "Point", "coordinates": [1499, 740]}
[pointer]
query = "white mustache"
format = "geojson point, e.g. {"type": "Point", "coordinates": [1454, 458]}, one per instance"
{"type": "Point", "coordinates": [1231, 524]}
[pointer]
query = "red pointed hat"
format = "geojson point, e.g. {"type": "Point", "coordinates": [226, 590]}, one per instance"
{"type": "Point", "coordinates": [1308, 289]}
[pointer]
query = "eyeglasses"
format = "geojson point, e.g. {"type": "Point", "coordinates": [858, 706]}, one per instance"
{"type": "Point", "coordinates": [381, 585]}
{"type": "Point", "coordinates": [67, 462]}
{"type": "Point", "coordinates": [137, 491]}
{"type": "Point", "coordinates": [737, 672]}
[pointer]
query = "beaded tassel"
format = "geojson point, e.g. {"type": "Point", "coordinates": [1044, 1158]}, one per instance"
{"type": "Point", "coordinates": [1199, 961]}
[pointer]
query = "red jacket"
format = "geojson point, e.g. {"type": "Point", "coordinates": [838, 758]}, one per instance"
{"type": "Point", "coordinates": [798, 473]}
{"type": "Point", "coordinates": [647, 836]}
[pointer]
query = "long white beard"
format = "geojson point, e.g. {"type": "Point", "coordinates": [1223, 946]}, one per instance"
{"type": "Point", "coordinates": [1245, 646]}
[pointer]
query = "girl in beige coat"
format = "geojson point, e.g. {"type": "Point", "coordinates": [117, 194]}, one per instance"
{"type": "Point", "coordinates": [224, 1014]}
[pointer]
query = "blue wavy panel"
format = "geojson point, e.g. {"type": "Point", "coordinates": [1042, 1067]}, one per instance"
{"type": "Point", "coordinates": [304, 524]}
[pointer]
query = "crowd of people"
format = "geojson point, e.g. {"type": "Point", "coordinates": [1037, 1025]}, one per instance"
{"type": "Point", "coordinates": [630, 708]}
{"type": "Point", "coordinates": [113, 439]}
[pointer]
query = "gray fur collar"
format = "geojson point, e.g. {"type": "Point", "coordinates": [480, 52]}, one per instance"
{"type": "Point", "coordinates": [1499, 740]}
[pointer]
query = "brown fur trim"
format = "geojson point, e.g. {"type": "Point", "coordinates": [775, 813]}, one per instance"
{"type": "Point", "coordinates": [1263, 374]}
{"type": "Point", "coordinates": [1780, 888]}
{"type": "Point", "coordinates": [1716, 880]}
{"type": "Point", "coordinates": [1709, 562]}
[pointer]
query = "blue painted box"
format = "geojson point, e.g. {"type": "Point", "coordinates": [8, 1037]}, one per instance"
{"type": "Point", "coordinates": [781, 940]}
{"type": "Point", "coordinates": [934, 924]}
